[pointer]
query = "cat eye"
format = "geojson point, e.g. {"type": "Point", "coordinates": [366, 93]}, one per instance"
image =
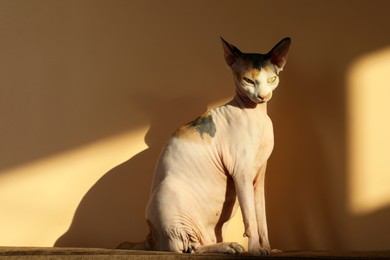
{"type": "Point", "coordinates": [272, 80]}
{"type": "Point", "coordinates": [249, 81]}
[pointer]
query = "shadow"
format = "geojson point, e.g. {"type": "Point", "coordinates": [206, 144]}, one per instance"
{"type": "Point", "coordinates": [65, 82]}
{"type": "Point", "coordinates": [306, 184]}
{"type": "Point", "coordinates": [112, 211]}
{"type": "Point", "coordinates": [373, 227]}
{"type": "Point", "coordinates": [307, 178]}
{"type": "Point", "coordinates": [297, 181]}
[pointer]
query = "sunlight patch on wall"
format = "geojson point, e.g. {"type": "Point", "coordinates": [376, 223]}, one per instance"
{"type": "Point", "coordinates": [235, 230]}
{"type": "Point", "coordinates": [369, 132]}
{"type": "Point", "coordinates": [39, 199]}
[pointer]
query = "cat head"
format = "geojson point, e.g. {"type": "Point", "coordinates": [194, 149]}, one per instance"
{"type": "Point", "coordinates": [256, 75]}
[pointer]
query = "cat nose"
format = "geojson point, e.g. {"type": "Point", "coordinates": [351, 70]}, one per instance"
{"type": "Point", "coordinates": [266, 96]}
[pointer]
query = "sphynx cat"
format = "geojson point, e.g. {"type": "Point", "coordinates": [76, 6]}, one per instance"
{"type": "Point", "coordinates": [214, 160]}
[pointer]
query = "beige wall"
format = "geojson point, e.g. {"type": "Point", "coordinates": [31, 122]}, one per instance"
{"type": "Point", "coordinates": [89, 91]}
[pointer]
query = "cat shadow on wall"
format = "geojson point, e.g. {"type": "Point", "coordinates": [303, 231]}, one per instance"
{"type": "Point", "coordinates": [112, 211]}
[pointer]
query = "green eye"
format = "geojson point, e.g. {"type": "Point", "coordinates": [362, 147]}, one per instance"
{"type": "Point", "coordinates": [248, 81]}
{"type": "Point", "coordinates": [272, 79]}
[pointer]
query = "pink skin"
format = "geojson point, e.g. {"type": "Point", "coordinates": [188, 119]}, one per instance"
{"type": "Point", "coordinates": [209, 163]}
{"type": "Point", "coordinates": [196, 183]}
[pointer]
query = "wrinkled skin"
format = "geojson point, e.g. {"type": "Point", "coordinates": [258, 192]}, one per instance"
{"type": "Point", "coordinates": [217, 162]}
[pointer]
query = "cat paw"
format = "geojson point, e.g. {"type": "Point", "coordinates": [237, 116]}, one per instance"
{"type": "Point", "coordinates": [234, 248]}
{"type": "Point", "coordinates": [223, 247]}
{"type": "Point", "coordinates": [260, 252]}
{"type": "Point", "coordinates": [276, 251]}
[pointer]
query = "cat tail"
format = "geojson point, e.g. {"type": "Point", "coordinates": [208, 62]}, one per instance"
{"type": "Point", "coordinates": [147, 244]}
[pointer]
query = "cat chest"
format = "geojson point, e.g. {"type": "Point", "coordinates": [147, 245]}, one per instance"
{"type": "Point", "coordinates": [260, 144]}
{"type": "Point", "coordinates": [255, 133]}
{"type": "Point", "coordinates": [246, 143]}
{"type": "Point", "coordinates": [265, 148]}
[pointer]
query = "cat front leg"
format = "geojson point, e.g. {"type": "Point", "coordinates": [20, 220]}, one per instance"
{"type": "Point", "coordinates": [260, 209]}
{"type": "Point", "coordinates": [245, 193]}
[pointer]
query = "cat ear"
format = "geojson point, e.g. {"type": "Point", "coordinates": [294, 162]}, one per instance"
{"type": "Point", "coordinates": [231, 52]}
{"type": "Point", "coordinates": [278, 54]}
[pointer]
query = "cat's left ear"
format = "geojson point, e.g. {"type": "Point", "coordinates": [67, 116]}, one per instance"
{"type": "Point", "coordinates": [230, 52]}
{"type": "Point", "coordinates": [278, 54]}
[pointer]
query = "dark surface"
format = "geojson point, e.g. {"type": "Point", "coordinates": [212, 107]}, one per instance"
{"type": "Point", "coordinates": [95, 253]}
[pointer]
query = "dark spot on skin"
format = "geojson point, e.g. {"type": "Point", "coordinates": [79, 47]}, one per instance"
{"type": "Point", "coordinates": [190, 250]}
{"type": "Point", "coordinates": [204, 125]}
{"type": "Point", "coordinates": [258, 61]}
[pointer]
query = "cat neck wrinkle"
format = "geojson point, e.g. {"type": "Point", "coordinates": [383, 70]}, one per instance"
{"type": "Point", "coordinates": [245, 103]}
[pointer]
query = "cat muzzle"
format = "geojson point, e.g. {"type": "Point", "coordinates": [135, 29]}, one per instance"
{"type": "Point", "coordinates": [263, 99]}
